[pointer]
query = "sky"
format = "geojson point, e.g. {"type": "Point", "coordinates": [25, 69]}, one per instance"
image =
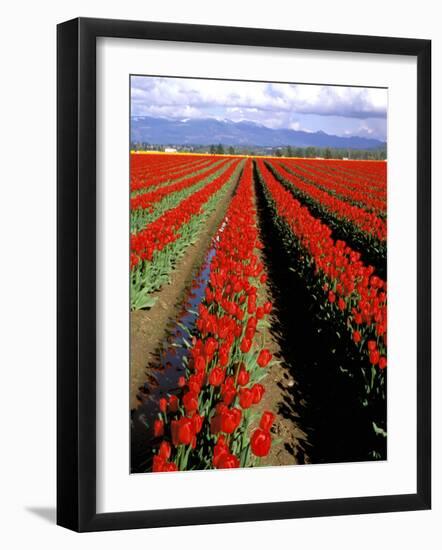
{"type": "Point", "coordinates": [337, 110]}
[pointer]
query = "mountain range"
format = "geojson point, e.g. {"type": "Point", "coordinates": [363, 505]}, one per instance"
{"type": "Point", "coordinates": [166, 131]}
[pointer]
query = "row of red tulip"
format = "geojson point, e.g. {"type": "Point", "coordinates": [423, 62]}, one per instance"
{"type": "Point", "coordinates": [148, 199]}
{"type": "Point", "coordinates": [365, 221]}
{"type": "Point", "coordinates": [345, 186]}
{"type": "Point", "coordinates": [166, 228]}
{"type": "Point", "coordinates": [149, 170]}
{"type": "Point", "coordinates": [374, 172]}
{"type": "Point", "coordinates": [209, 424]}
{"type": "Point", "coordinates": [348, 286]}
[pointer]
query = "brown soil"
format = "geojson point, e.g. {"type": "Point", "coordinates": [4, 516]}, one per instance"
{"type": "Point", "coordinates": [148, 328]}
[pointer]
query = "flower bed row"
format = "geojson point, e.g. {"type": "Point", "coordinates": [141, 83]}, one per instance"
{"type": "Point", "coordinates": [149, 170]}
{"type": "Point", "coordinates": [362, 194]}
{"type": "Point", "coordinates": [208, 425]}
{"type": "Point", "coordinates": [363, 172]}
{"type": "Point", "coordinates": [156, 249]}
{"type": "Point", "coordinates": [365, 221]}
{"type": "Point", "coordinates": [349, 293]}
{"type": "Point", "coordinates": [142, 217]}
{"type": "Point", "coordinates": [363, 231]}
{"type": "Point", "coordinates": [147, 200]}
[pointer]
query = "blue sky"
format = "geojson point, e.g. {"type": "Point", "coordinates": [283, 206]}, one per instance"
{"type": "Point", "coordinates": [338, 110]}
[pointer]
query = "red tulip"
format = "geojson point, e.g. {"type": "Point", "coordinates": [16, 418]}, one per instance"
{"type": "Point", "coordinates": [257, 393]}
{"type": "Point", "coordinates": [163, 404]}
{"type": "Point", "coordinates": [200, 363]}
{"type": "Point", "coordinates": [374, 357]}
{"type": "Point", "coordinates": [227, 460]}
{"type": "Point", "coordinates": [230, 420]}
{"type": "Point", "coordinates": [223, 357]}
{"type": "Point", "coordinates": [267, 420]}
{"type": "Point", "coordinates": [164, 450]}
{"type": "Point", "coordinates": [170, 467]}
{"type": "Point", "coordinates": [245, 398]}
{"type": "Point", "coordinates": [356, 336]}
{"type": "Point", "coordinates": [190, 402]}
{"type": "Point", "coordinates": [210, 347]}
{"type": "Point", "coordinates": [260, 442]}
{"type": "Point", "coordinates": [243, 377]}
{"type": "Point", "coordinates": [264, 358]}
{"type": "Point", "coordinates": [197, 422]}
{"type": "Point", "coordinates": [371, 344]}
{"type": "Point", "coordinates": [182, 431]}
{"type": "Point", "coordinates": [382, 362]}
{"type": "Point", "coordinates": [246, 344]}
{"type": "Point", "coordinates": [173, 403]}
{"type": "Point", "coordinates": [158, 428]}
{"type": "Point", "coordinates": [216, 376]}
{"type": "Point", "coordinates": [219, 450]}
{"type": "Point", "coordinates": [158, 463]}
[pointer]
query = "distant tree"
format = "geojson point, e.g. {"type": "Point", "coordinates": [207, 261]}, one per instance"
{"type": "Point", "coordinates": [310, 152]}
{"type": "Point", "coordinates": [328, 153]}
{"type": "Point", "coordinates": [231, 150]}
{"type": "Point", "coordinates": [289, 151]}
{"type": "Point", "coordinates": [278, 153]}
{"type": "Point", "coordinates": [219, 149]}
{"type": "Point", "coordinates": [212, 149]}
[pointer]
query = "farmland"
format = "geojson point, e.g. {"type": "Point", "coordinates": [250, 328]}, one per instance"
{"type": "Point", "coordinates": [258, 311]}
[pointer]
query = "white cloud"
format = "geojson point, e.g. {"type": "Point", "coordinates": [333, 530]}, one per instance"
{"type": "Point", "coordinates": [273, 105]}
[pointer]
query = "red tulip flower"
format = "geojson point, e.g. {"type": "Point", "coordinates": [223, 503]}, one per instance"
{"type": "Point", "coordinates": [243, 377]}
{"type": "Point", "coordinates": [173, 403]}
{"type": "Point", "coordinates": [163, 404]}
{"type": "Point", "coordinates": [374, 357]}
{"type": "Point", "coordinates": [227, 460]}
{"type": "Point", "coordinates": [164, 450]}
{"type": "Point", "coordinates": [197, 422]}
{"type": "Point", "coordinates": [264, 358]}
{"type": "Point", "coordinates": [245, 398]}
{"type": "Point", "coordinates": [216, 376]}
{"type": "Point", "coordinates": [230, 420]}
{"type": "Point", "coordinates": [371, 344]}
{"type": "Point", "coordinates": [158, 428]}
{"type": "Point", "coordinates": [260, 442]}
{"type": "Point", "coordinates": [246, 344]}
{"type": "Point", "coordinates": [190, 402]}
{"type": "Point", "coordinates": [267, 420]}
{"type": "Point", "coordinates": [182, 431]}
{"type": "Point", "coordinates": [258, 391]}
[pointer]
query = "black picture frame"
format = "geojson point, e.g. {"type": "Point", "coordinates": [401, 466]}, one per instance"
{"type": "Point", "coordinates": [76, 273]}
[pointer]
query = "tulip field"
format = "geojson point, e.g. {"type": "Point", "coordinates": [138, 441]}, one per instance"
{"type": "Point", "coordinates": [258, 291]}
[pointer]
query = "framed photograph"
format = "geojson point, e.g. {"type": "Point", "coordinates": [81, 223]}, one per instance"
{"type": "Point", "coordinates": [235, 205]}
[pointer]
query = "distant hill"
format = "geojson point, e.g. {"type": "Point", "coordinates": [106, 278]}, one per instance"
{"type": "Point", "coordinates": [167, 131]}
